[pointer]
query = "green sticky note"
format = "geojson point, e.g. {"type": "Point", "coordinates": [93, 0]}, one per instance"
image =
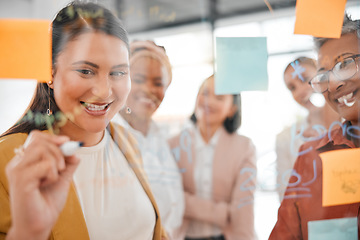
{"type": "Point", "coordinates": [241, 65]}
{"type": "Point", "coordinates": [333, 229]}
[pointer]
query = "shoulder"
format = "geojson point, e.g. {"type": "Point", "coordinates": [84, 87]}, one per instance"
{"type": "Point", "coordinates": [9, 143]}
{"type": "Point", "coordinates": [239, 147]}
{"type": "Point", "coordinates": [239, 140]}
{"type": "Point", "coordinates": [124, 139]}
{"type": "Point", "coordinates": [336, 136]}
{"type": "Point", "coordinates": [184, 138]}
{"type": "Point", "coordinates": [7, 146]}
{"type": "Point", "coordinates": [116, 130]}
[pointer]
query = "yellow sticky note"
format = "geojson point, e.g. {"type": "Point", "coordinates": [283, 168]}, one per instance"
{"type": "Point", "coordinates": [341, 177]}
{"type": "Point", "coordinates": [320, 18]}
{"type": "Point", "coordinates": [25, 49]}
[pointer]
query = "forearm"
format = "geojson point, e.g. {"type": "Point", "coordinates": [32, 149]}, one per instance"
{"type": "Point", "coordinates": [206, 210]}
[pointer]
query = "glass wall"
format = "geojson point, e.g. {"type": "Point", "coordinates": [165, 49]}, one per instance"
{"type": "Point", "coordinates": [191, 49]}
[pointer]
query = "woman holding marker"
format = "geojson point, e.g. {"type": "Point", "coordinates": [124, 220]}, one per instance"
{"type": "Point", "coordinates": [296, 77]}
{"type": "Point", "coordinates": [150, 77]}
{"type": "Point", "coordinates": [45, 194]}
{"type": "Point", "coordinates": [304, 214]}
{"type": "Point", "coordinates": [219, 170]}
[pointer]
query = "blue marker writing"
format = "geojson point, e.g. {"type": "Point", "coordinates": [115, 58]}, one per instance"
{"type": "Point", "coordinates": [298, 70]}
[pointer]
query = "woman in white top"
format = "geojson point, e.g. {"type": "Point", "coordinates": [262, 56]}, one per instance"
{"type": "Point", "coordinates": [109, 197]}
{"type": "Point", "coordinates": [151, 76]}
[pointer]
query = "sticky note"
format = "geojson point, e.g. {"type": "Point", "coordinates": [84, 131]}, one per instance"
{"type": "Point", "coordinates": [240, 65]}
{"type": "Point", "coordinates": [341, 177]}
{"type": "Point", "coordinates": [333, 229]}
{"type": "Point", "coordinates": [319, 18]}
{"type": "Point", "coordinates": [25, 47]}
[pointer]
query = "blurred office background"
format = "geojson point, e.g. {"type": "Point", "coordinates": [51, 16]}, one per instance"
{"type": "Point", "coordinates": [188, 30]}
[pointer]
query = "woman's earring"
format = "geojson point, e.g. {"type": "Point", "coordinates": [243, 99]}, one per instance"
{"type": "Point", "coordinates": [48, 111]}
{"type": "Point", "coordinates": [128, 110]}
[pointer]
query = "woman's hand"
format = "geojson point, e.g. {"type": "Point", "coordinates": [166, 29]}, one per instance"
{"type": "Point", "coordinates": [39, 179]}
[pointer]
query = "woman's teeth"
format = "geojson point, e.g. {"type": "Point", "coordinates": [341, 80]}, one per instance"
{"type": "Point", "coordinates": [345, 99]}
{"type": "Point", "coordinates": [349, 104]}
{"type": "Point", "coordinates": [146, 100]}
{"type": "Point", "coordinates": [94, 107]}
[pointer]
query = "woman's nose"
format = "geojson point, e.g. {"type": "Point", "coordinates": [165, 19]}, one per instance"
{"type": "Point", "coordinates": [150, 87]}
{"type": "Point", "coordinates": [334, 83]}
{"type": "Point", "coordinates": [102, 88]}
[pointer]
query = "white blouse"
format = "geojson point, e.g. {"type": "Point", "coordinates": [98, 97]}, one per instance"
{"type": "Point", "coordinates": [163, 174]}
{"type": "Point", "coordinates": [114, 203]}
{"type": "Point", "coordinates": [203, 174]}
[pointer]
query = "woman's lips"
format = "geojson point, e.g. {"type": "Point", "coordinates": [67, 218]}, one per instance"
{"type": "Point", "coordinates": [344, 98]}
{"type": "Point", "coordinates": [147, 101]}
{"type": "Point", "coordinates": [208, 110]}
{"type": "Point", "coordinates": [347, 99]}
{"type": "Point", "coordinates": [96, 109]}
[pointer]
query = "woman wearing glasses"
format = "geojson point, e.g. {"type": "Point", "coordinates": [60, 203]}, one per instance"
{"type": "Point", "coordinates": [302, 215]}
{"type": "Point", "coordinates": [296, 77]}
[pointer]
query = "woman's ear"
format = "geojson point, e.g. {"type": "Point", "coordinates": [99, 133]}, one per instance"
{"type": "Point", "coordinates": [232, 111]}
{"type": "Point", "coordinates": [50, 84]}
{"type": "Point", "coordinates": [53, 70]}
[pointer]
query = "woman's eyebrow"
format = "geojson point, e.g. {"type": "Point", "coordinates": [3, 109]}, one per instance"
{"type": "Point", "coordinates": [86, 62]}
{"type": "Point", "coordinates": [321, 69]}
{"type": "Point", "coordinates": [121, 66]}
{"type": "Point", "coordinates": [337, 59]}
{"type": "Point", "coordinates": [342, 56]}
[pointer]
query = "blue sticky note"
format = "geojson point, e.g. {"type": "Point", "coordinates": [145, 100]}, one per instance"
{"type": "Point", "coordinates": [241, 65]}
{"type": "Point", "coordinates": [333, 229]}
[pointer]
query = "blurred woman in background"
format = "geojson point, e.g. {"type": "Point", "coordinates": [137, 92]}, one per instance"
{"type": "Point", "coordinates": [150, 77]}
{"type": "Point", "coordinates": [219, 170]}
{"type": "Point", "coordinates": [296, 77]}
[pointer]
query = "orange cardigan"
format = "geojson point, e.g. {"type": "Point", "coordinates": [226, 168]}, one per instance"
{"type": "Point", "coordinates": [71, 223]}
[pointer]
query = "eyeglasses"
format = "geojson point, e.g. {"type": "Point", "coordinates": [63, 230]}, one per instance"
{"type": "Point", "coordinates": [342, 70]}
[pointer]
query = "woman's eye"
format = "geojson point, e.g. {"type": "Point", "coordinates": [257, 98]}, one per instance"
{"type": "Point", "coordinates": [322, 78]}
{"type": "Point", "coordinates": [205, 93]}
{"type": "Point", "coordinates": [137, 80]}
{"type": "Point", "coordinates": [291, 88]}
{"type": "Point", "coordinates": [85, 71]}
{"type": "Point", "coordinates": [306, 79]}
{"type": "Point", "coordinates": [159, 84]}
{"type": "Point", "coordinates": [219, 97]}
{"type": "Point", "coordinates": [344, 64]}
{"type": "Point", "coordinates": [118, 73]}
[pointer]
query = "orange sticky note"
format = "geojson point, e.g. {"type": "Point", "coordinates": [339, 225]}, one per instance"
{"type": "Point", "coordinates": [341, 177]}
{"type": "Point", "coordinates": [320, 18]}
{"type": "Point", "coordinates": [25, 49]}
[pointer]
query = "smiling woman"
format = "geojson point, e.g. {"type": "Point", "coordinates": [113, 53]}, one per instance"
{"type": "Point", "coordinates": [151, 76]}
{"type": "Point", "coordinates": [41, 194]}
{"type": "Point", "coordinates": [219, 181]}
{"type": "Point", "coordinates": [338, 79]}
{"type": "Point", "coordinates": [98, 87]}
